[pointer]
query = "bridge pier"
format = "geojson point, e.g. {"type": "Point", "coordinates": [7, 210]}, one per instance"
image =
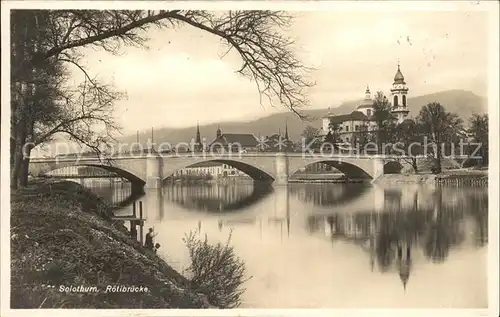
{"type": "Point", "coordinates": [282, 167]}
{"type": "Point", "coordinates": [378, 167]}
{"type": "Point", "coordinates": [153, 171]}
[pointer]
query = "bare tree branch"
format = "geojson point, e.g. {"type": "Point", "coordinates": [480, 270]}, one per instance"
{"type": "Point", "coordinates": [44, 39]}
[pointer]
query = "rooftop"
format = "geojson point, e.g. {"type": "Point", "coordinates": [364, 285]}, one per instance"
{"type": "Point", "coordinates": [399, 78]}
{"type": "Point", "coordinates": [353, 116]}
{"type": "Point", "coordinates": [245, 140]}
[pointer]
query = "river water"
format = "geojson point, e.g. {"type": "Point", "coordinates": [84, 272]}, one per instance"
{"type": "Point", "coordinates": [335, 245]}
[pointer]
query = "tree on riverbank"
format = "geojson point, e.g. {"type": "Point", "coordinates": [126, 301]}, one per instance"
{"type": "Point", "coordinates": [439, 126]}
{"type": "Point", "coordinates": [409, 137]}
{"type": "Point", "coordinates": [478, 127]}
{"type": "Point", "coordinates": [385, 121]}
{"type": "Point", "coordinates": [309, 136]}
{"type": "Point", "coordinates": [44, 38]}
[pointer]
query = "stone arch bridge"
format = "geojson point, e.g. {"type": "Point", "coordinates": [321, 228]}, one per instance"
{"type": "Point", "coordinates": [150, 170]}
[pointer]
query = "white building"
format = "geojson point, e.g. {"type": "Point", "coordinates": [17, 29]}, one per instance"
{"type": "Point", "coordinates": [399, 92]}
{"type": "Point", "coordinates": [360, 120]}
{"type": "Point", "coordinates": [214, 169]}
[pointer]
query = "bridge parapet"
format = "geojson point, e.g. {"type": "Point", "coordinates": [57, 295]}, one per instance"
{"type": "Point", "coordinates": [220, 156]}
{"type": "Point", "coordinates": [150, 169]}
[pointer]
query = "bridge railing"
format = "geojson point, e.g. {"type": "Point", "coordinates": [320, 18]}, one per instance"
{"type": "Point", "coordinates": [215, 156]}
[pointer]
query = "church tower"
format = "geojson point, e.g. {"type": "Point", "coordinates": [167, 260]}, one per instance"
{"type": "Point", "coordinates": [399, 92]}
{"type": "Point", "coordinates": [197, 143]}
{"type": "Point", "coordinates": [286, 129]}
{"type": "Point", "coordinates": [219, 132]}
{"type": "Point", "coordinates": [404, 261]}
{"type": "Point", "coordinates": [366, 107]}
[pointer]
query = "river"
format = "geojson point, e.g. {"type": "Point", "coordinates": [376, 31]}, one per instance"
{"type": "Point", "coordinates": [335, 245]}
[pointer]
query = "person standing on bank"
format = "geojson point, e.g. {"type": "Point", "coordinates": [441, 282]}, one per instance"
{"type": "Point", "coordinates": [149, 239]}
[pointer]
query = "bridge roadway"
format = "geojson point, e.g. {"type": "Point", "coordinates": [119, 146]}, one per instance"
{"type": "Point", "coordinates": [150, 169]}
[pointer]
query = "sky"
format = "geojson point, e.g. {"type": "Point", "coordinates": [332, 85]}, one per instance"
{"type": "Point", "coordinates": [181, 79]}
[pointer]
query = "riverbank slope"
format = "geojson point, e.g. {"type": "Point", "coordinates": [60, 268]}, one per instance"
{"type": "Point", "coordinates": [62, 236]}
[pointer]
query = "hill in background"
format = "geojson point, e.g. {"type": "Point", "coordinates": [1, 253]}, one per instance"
{"type": "Point", "coordinates": [462, 102]}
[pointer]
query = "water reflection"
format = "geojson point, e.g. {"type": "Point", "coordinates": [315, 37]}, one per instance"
{"type": "Point", "coordinates": [391, 236]}
{"type": "Point", "coordinates": [117, 191]}
{"type": "Point", "coordinates": [217, 197]}
{"type": "Point", "coordinates": [327, 195]}
{"type": "Point", "coordinates": [302, 241]}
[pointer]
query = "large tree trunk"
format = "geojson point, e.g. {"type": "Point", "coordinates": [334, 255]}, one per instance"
{"type": "Point", "coordinates": [438, 158]}
{"type": "Point", "coordinates": [23, 175]}
{"type": "Point", "coordinates": [414, 165]}
{"type": "Point", "coordinates": [18, 156]}
{"type": "Point", "coordinates": [24, 172]}
{"type": "Point", "coordinates": [12, 150]}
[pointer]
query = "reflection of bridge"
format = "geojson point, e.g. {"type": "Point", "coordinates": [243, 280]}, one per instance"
{"type": "Point", "coordinates": [218, 198]}
{"type": "Point", "coordinates": [151, 169]}
{"type": "Point", "coordinates": [77, 172]}
{"type": "Point", "coordinates": [328, 195]}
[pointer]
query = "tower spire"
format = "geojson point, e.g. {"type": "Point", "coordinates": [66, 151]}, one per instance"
{"type": "Point", "coordinates": [152, 139]}
{"type": "Point", "coordinates": [368, 94]}
{"type": "Point", "coordinates": [286, 128]}
{"type": "Point", "coordinates": [399, 93]}
{"type": "Point", "coordinates": [219, 132]}
{"type": "Point", "coordinates": [198, 136]}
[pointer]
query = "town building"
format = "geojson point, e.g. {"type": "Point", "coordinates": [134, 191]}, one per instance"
{"type": "Point", "coordinates": [234, 142]}
{"type": "Point", "coordinates": [212, 168]}
{"type": "Point", "coordinates": [198, 146]}
{"type": "Point", "coordinates": [277, 142]}
{"type": "Point", "coordinates": [349, 127]}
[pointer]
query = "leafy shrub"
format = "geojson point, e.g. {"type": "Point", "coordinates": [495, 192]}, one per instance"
{"type": "Point", "coordinates": [215, 271]}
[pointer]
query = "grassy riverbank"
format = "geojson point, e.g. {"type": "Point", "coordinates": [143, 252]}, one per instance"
{"type": "Point", "coordinates": [62, 235]}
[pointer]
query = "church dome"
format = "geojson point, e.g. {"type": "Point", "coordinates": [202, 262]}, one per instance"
{"type": "Point", "coordinates": [368, 101]}
{"type": "Point", "coordinates": [399, 78]}
{"type": "Point", "coordinates": [366, 104]}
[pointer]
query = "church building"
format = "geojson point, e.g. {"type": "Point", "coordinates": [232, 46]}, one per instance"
{"type": "Point", "coordinates": [347, 126]}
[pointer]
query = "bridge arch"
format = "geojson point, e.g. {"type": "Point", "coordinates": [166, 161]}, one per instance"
{"type": "Point", "coordinates": [257, 173]}
{"type": "Point", "coordinates": [393, 167]}
{"type": "Point", "coordinates": [349, 169]}
{"type": "Point", "coordinates": [119, 171]}
{"type": "Point", "coordinates": [215, 203]}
